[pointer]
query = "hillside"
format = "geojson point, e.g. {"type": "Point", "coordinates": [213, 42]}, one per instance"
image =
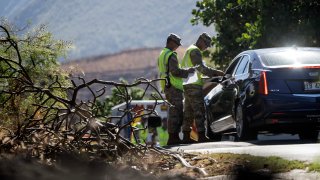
{"type": "Point", "coordinates": [99, 27]}
{"type": "Point", "coordinates": [130, 64]}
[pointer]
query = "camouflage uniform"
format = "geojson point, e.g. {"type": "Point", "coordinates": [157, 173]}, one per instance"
{"type": "Point", "coordinates": [169, 68]}
{"type": "Point", "coordinates": [175, 97]}
{"type": "Point", "coordinates": [194, 98]}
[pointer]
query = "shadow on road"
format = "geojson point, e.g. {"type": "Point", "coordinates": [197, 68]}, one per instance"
{"type": "Point", "coordinates": [281, 142]}
{"type": "Point", "coordinates": [263, 140]}
{"type": "Point", "coordinates": [280, 139]}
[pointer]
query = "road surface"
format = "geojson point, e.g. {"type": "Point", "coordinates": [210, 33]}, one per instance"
{"type": "Point", "coordinates": [285, 146]}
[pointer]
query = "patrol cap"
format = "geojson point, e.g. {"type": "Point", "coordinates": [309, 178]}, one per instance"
{"type": "Point", "coordinates": [174, 38]}
{"type": "Point", "coordinates": [206, 38]}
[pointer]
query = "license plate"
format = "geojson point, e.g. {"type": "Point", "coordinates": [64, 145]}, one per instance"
{"type": "Point", "coordinates": [310, 86]}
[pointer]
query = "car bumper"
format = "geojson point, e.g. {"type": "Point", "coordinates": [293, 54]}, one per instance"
{"type": "Point", "coordinates": [287, 110]}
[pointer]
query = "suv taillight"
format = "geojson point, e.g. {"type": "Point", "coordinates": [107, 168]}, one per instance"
{"type": "Point", "coordinates": [263, 85]}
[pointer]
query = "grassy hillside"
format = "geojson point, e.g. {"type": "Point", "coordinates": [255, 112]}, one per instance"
{"type": "Point", "coordinates": [99, 27]}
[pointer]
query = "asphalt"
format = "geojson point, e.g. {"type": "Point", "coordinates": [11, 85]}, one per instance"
{"type": "Point", "coordinates": [285, 146]}
{"type": "Point", "coordinates": [296, 174]}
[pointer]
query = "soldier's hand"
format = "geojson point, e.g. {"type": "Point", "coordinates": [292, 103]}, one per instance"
{"type": "Point", "coordinates": [220, 73]}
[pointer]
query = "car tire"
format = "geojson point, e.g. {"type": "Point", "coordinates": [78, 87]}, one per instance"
{"type": "Point", "coordinates": [211, 135]}
{"type": "Point", "coordinates": [243, 132]}
{"type": "Point", "coordinates": [311, 135]}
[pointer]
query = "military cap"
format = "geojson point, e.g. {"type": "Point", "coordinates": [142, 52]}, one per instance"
{"type": "Point", "coordinates": [206, 38]}
{"type": "Point", "coordinates": [175, 38]}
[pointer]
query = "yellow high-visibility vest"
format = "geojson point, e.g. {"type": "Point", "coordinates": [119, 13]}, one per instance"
{"type": "Point", "coordinates": [163, 61]}
{"type": "Point", "coordinates": [187, 63]}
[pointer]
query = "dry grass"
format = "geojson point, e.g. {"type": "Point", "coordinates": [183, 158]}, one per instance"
{"type": "Point", "coordinates": [221, 164]}
{"type": "Point", "coordinates": [121, 62]}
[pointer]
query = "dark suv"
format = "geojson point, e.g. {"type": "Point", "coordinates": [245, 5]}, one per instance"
{"type": "Point", "coordinates": [275, 90]}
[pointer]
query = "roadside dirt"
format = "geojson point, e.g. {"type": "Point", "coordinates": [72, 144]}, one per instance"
{"type": "Point", "coordinates": [21, 164]}
{"type": "Point", "coordinates": [152, 166]}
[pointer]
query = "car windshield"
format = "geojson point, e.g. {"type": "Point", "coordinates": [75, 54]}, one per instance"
{"type": "Point", "coordinates": [291, 58]}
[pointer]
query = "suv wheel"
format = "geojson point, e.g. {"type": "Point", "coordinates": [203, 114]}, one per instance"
{"type": "Point", "coordinates": [242, 126]}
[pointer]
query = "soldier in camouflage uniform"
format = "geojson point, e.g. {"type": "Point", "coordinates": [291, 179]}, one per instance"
{"type": "Point", "coordinates": [193, 93]}
{"type": "Point", "coordinates": [169, 68]}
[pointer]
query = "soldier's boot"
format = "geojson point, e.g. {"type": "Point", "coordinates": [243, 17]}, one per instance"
{"type": "Point", "coordinates": [173, 139]}
{"type": "Point", "coordinates": [186, 138]}
{"type": "Point", "coordinates": [202, 137]}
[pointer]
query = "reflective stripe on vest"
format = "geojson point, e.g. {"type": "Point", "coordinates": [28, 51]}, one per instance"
{"type": "Point", "coordinates": [187, 63]}
{"type": "Point", "coordinates": [162, 67]}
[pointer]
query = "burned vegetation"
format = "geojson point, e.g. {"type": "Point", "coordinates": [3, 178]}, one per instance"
{"type": "Point", "coordinates": [44, 124]}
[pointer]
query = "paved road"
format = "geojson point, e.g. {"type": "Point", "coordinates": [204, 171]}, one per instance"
{"type": "Point", "coordinates": [286, 146]}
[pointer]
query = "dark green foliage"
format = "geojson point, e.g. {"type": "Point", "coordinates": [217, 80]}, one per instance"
{"type": "Point", "coordinates": [249, 24]}
{"type": "Point", "coordinates": [33, 60]}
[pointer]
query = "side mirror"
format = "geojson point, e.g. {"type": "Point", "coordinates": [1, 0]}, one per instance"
{"type": "Point", "coordinates": [225, 77]}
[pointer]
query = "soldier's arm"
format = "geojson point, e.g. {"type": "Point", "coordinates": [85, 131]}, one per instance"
{"type": "Point", "coordinates": [196, 59]}
{"type": "Point", "coordinates": [175, 70]}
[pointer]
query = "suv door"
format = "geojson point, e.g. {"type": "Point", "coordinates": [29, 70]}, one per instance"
{"type": "Point", "coordinates": [222, 102]}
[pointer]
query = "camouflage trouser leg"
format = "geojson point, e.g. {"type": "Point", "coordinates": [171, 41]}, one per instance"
{"type": "Point", "coordinates": [175, 115]}
{"type": "Point", "coordinates": [193, 108]}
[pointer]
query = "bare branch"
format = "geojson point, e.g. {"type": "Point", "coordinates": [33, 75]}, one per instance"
{"type": "Point", "coordinates": [67, 121]}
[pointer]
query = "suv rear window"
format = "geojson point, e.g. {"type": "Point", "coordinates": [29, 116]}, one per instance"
{"type": "Point", "coordinates": [291, 58]}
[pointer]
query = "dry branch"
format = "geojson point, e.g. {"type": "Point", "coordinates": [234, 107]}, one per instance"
{"type": "Point", "coordinates": [65, 123]}
{"type": "Point", "coordinates": [56, 124]}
